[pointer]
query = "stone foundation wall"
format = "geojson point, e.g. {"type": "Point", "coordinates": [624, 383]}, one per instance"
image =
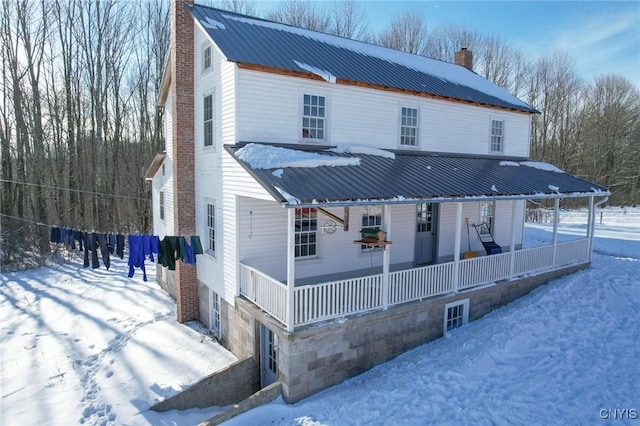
{"type": "Point", "coordinates": [315, 358]}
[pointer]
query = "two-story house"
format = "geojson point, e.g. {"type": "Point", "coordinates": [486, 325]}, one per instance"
{"type": "Point", "coordinates": [283, 144]}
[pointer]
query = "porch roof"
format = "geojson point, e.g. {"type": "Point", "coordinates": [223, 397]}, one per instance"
{"type": "Point", "coordinates": [411, 177]}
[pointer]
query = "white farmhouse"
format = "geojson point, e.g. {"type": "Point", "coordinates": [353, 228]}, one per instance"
{"type": "Point", "coordinates": [288, 150]}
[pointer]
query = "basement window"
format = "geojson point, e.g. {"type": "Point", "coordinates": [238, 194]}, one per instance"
{"type": "Point", "coordinates": [456, 314]}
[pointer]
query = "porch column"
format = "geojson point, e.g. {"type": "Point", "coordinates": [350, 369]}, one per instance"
{"type": "Point", "coordinates": [556, 214]}
{"type": "Point", "coordinates": [456, 247]}
{"type": "Point", "coordinates": [386, 258]}
{"type": "Point", "coordinates": [291, 271]}
{"type": "Point", "coordinates": [590, 221]}
{"type": "Point", "coordinates": [512, 257]}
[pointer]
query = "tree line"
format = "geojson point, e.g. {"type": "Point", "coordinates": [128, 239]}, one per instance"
{"type": "Point", "coordinates": [79, 123]}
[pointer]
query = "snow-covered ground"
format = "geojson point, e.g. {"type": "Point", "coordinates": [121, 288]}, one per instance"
{"type": "Point", "coordinates": [91, 346]}
{"type": "Point", "coordinates": [94, 347]}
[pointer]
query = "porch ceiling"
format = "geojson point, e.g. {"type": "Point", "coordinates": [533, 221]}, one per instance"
{"type": "Point", "coordinates": [412, 176]}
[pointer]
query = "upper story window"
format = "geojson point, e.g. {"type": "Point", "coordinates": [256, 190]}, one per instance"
{"type": "Point", "coordinates": [487, 215]}
{"type": "Point", "coordinates": [314, 117]}
{"type": "Point", "coordinates": [208, 120]}
{"type": "Point", "coordinates": [211, 228]}
{"type": "Point", "coordinates": [306, 226]}
{"type": "Point", "coordinates": [497, 135]}
{"type": "Point", "coordinates": [207, 59]}
{"type": "Point", "coordinates": [161, 204]}
{"type": "Point", "coordinates": [409, 126]}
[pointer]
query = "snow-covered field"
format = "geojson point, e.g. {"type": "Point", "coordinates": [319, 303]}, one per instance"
{"type": "Point", "coordinates": [94, 347]}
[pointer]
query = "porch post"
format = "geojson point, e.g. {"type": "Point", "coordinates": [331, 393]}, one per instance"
{"type": "Point", "coordinates": [590, 220]}
{"type": "Point", "coordinates": [386, 258]}
{"type": "Point", "coordinates": [456, 247]}
{"type": "Point", "coordinates": [556, 214]}
{"type": "Point", "coordinates": [512, 257]}
{"type": "Point", "coordinates": [291, 271]}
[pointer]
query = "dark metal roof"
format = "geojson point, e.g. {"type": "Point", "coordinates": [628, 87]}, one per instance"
{"type": "Point", "coordinates": [413, 176]}
{"type": "Point", "coordinates": [255, 41]}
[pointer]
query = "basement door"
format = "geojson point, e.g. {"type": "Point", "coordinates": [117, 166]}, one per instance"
{"type": "Point", "coordinates": [425, 238]}
{"type": "Point", "coordinates": [268, 356]}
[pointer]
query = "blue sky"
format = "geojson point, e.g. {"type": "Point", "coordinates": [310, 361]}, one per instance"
{"type": "Point", "coordinates": [601, 36]}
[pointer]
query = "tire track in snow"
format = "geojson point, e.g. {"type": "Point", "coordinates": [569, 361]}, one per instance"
{"type": "Point", "coordinates": [95, 411]}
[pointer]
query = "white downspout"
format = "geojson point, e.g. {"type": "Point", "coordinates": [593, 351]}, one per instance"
{"type": "Point", "coordinates": [456, 248]}
{"type": "Point", "coordinates": [593, 223]}
{"type": "Point", "coordinates": [291, 271]}
{"type": "Point", "coordinates": [386, 258]}
{"type": "Point", "coordinates": [556, 215]}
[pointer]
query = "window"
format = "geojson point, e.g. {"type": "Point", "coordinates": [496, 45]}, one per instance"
{"type": "Point", "coordinates": [313, 117]}
{"type": "Point", "coordinates": [206, 58]}
{"type": "Point", "coordinates": [409, 126]}
{"type": "Point", "coordinates": [487, 214]}
{"type": "Point", "coordinates": [456, 314]}
{"type": "Point", "coordinates": [211, 228]}
{"type": "Point", "coordinates": [208, 120]}
{"type": "Point", "coordinates": [425, 217]}
{"type": "Point", "coordinates": [497, 135]}
{"type": "Point", "coordinates": [161, 205]}
{"type": "Point", "coordinates": [306, 225]}
{"type": "Point", "coordinates": [215, 313]}
{"type": "Point", "coordinates": [371, 218]}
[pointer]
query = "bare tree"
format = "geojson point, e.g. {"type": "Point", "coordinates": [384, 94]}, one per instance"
{"type": "Point", "coordinates": [407, 32]}
{"type": "Point", "coordinates": [443, 41]}
{"type": "Point", "coordinates": [610, 135]}
{"type": "Point", "coordinates": [348, 19]}
{"type": "Point", "coordinates": [301, 13]}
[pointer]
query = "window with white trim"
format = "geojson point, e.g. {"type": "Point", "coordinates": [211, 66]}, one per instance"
{"type": "Point", "coordinates": [215, 313]}
{"type": "Point", "coordinates": [306, 226]}
{"type": "Point", "coordinates": [207, 59]}
{"type": "Point", "coordinates": [497, 135]}
{"type": "Point", "coordinates": [208, 120]}
{"type": "Point", "coordinates": [161, 203]}
{"type": "Point", "coordinates": [371, 218]}
{"type": "Point", "coordinates": [211, 228]}
{"type": "Point", "coordinates": [456, 314]}
{"type": "Point", "coordinates": [487, 216]}
{"type": "Point", "coordinates": [314, 113]}
{"type": "Point", "coordinates": [409, 126]}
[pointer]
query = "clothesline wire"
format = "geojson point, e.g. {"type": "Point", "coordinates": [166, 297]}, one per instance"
{"type": "Point", "coordinates": [69, 227]}
{"type": "Point", "coordinates": [73, 190]}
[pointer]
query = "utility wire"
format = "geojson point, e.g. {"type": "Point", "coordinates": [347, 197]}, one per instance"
{"type": "Point", "coordinates": [73, 190]}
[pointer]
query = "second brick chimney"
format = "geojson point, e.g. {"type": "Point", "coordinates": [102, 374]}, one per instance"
{"type": "Point", "coordinates": [464, 57]}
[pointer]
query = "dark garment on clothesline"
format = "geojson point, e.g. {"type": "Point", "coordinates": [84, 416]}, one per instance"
{"type": "Point", "coordinates": [120, 246]}
{"type": "Point", "coordinates": [136, 255]}
{"type": "Point", "coordinates": [170, 251]}
{"type": "Point", "coordinates": [101, 240]}
{"type": "Point", "coordinates": [55, 235]}
{"type": "Point", "coordinates": [90, 244]}
{"type": "Point", "coordinates": [111, 243]}
{"type": "Point", "coordinates": [197, 247]}
{"type": "Point", "coordinates": [188, 252]}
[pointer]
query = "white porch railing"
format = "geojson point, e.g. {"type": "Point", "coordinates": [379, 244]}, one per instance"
{"type": "Point", "coordinates": [320, 302]}
{"type": "Point", "coordinates": [265, 291]}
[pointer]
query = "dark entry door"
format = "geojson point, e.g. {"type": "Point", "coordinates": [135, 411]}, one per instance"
{"type": "Point", "coordinates": [268, 356]}
{"type": "Point", "coordinates": [425, 225]}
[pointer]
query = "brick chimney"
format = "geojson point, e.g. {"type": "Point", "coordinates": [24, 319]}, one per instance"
{"type": "Point", "coordinates": [182, 93]}
{"type": "Point", "coordinates": [464, 57]}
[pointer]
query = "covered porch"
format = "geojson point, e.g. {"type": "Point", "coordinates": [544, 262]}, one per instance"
{"type": "Point", "coordinates": [295, 306]}
{"type": "Point", "coordinates": [331, 178]}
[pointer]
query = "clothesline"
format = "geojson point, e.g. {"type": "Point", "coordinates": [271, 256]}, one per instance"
{"type": "Point", "coordinates": [141, 247]}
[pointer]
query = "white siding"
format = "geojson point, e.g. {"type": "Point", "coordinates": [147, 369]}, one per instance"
{"type": "Point", "coordinates": [263, 236]}
{"type": "Point", "coordinates": [269, 111]}
{"type": "Point", "coordinates": [502, 226]}
{"type": "Point", "coordinates": [164, 183]}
